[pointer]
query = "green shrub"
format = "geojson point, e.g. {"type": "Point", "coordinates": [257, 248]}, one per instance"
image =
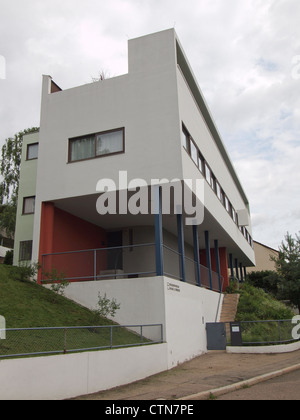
{"type": "Point", "coordinates": [255, 304]}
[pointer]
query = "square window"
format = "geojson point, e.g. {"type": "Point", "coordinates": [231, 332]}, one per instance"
{"type": "Point", "coordinates": [28, 205]}
{"type": "Point", "coordinates": [109, 143]}
{"type": "Point", "coordinates": [32, 151]}
{"type": "Point", "coordinates": [25, 252]}
{"type": "Point", "coordinates": [83, 148]}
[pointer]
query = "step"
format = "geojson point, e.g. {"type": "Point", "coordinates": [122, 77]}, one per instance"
{"type": "Point", "coordinates": [229, 307]}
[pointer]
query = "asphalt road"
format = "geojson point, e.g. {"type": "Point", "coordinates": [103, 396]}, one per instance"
{"type": "Point", "coordinates": [283, 388]}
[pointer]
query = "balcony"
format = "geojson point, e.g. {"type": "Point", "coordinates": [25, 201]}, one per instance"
{"type": "Point", "coordinates": [125, 262]}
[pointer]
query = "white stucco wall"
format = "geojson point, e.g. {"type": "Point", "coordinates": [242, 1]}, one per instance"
{"type": "Point", "coordinates": [182, 308]}
{"type": "Point", "coordinates": [66, 376]}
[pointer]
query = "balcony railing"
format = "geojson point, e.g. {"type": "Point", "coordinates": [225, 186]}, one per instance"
{"type": "Point", "coordinates": [128, 261]}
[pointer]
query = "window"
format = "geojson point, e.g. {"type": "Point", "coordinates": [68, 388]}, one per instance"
{"type": "Point", "coordinates": [28, 205]}
{"type": "Point", "coordinates": [200, 163]}
{"type": "Point", "coordinates": [213, 182]}
{"type": "Point", "coordinates": [227, 204]}
{"type": "Point", "coordinates": [194, 153]}
{"type": "Point", "coordinates": [96, 145]}
{"type": "Point", "coordinates": [32, 151]}
{"type": "Point", "coordinates": [185, 139]}
{"type": "Point", "coordinates": [234, 215]}
{"type": "Point", "coordinates": [109, 143]}
{"type": "Point", "coordinates": [219, 192]}
{"type": "Point", "coordinates": [25, 252]}
{"type": "Point", "coordinates": [207, 173]}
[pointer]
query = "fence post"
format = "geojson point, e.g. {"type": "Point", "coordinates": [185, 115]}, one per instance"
{"type": "Point", "coordinates": [65, 341]}
{"type": "Point", "coordinates": [279, 331]}
{"type": "Point", "coordinates": [111, 337]}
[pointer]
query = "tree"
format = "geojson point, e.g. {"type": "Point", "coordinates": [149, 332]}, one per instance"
{"type": "Point", "coordinates": [9, 186]}
{"type": "Point", "coordinates": [265, 280]}
{"type": "Point", "coordinates": [288, 269]}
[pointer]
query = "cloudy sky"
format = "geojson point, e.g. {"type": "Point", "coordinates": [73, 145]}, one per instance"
{"type": "Point", "coordinates": [244, 53]}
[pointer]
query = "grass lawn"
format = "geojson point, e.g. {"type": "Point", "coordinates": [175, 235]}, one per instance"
{"type": "Point", "coordinates": [29, 305]}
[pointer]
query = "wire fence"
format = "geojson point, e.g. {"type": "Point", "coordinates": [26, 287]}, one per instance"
{"type": "Point", "coordinates": [62, 340]}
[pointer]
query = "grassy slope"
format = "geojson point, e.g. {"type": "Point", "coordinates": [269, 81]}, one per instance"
{"type": "Point", "coordinates": [27, 305]}
{"type": "Point", "coordinates": [255, 304]}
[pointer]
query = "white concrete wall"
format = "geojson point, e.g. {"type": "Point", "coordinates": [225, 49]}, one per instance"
{"type": "Point", "coordinates": [274, 349]}
{"type": "Point", "coordinates": [198, 129]}
{"type": "Point", "coordinates": [141, 299]}
{"type": "Point", "coordinates": [144, 101]}
{"type": "Point", "coordinates": [66, 376]}
{"type": "Point", "coordinates": [188, 309]}
{"type": "Point", "coordinates": [182, 308]}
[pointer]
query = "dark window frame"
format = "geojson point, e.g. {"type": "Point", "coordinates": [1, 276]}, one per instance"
{"type": "Point", "coordinates": [23, 208]}
{"type": "Point", "coordinates": [25, 250]}
{"type": "Point", "coordinates": [27, 151]}
{"type": "Point", "coordinates": [74, 139]}
{"type": "Point", "coordinates": [213, 181]}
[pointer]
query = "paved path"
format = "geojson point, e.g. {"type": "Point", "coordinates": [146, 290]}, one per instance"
{"type": "Point", "coordinates": [210, 371]}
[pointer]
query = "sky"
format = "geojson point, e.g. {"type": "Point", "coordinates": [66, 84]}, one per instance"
{"type": "Point", "coordinates": [245, 55]}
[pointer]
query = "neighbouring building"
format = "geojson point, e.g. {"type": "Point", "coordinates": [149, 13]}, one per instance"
{"type": "Point", "coordinates": [150, 124]}
{"type": "Point", "coordinates": [263, 254]}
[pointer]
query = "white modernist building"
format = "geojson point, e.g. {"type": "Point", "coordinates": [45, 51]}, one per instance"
{"type": "Point", "coordinates": [94, 188]}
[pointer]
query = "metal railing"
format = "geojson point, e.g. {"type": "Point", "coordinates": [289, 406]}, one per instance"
{"type": "Point", "coordinates": [258, 333]}
{"type": "Point", "coordinates": [173, 270]}
{"type": "Point", "coordinates": [62, 340]}
{"type": "Point", "coordinates": [124, 262]}
{"type": "Point", "coordinates": [101, 263]}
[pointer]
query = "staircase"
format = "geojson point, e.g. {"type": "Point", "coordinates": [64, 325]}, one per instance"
{"type": "Point", "coordinates": [229, 308]}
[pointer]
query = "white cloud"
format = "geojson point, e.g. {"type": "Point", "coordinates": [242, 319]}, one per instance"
{"type": "Point", "coordinates": [242, 52]}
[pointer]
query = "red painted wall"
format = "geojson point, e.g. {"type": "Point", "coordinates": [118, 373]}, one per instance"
{"type": "Point", "coordinates": [223, 264]}
{"type": "Point", "coordinates": [63, 232]}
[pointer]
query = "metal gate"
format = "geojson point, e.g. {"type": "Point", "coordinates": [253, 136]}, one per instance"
{"type": "Point", "coordinates": [216, 336]}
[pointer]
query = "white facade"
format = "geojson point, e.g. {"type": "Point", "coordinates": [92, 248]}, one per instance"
{"type": "Point", "coordinates": [157, 106]}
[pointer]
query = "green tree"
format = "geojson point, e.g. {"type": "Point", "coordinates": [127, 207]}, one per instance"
{"type": "Point", "coordinates": [10, 177]}
{"type": "Point", "coordinates": [288, 269]}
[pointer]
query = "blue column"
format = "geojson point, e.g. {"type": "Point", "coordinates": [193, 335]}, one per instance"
{"type": "Point", "coordinates": [241, 272]}
{"type": "Point", "coordinates": [218, 264]}
{"type": "Point", "coordinates": [231, 266]}
{"type": "Point", "coordinates": [180, 235]}
{"type": "Point", "coordinates": [196, 254]}
{"type": "Point", "coordinates": [158, 231]}
{"type": "Point", "coordinates": [237, 269]}
{"type": "Point", "coordinates": [208, 259]}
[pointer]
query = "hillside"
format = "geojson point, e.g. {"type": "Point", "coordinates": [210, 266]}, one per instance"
{"type": "Point", "coordinates": [255, 304]}
{"type": "Point", "coordinates": [28, 305]}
